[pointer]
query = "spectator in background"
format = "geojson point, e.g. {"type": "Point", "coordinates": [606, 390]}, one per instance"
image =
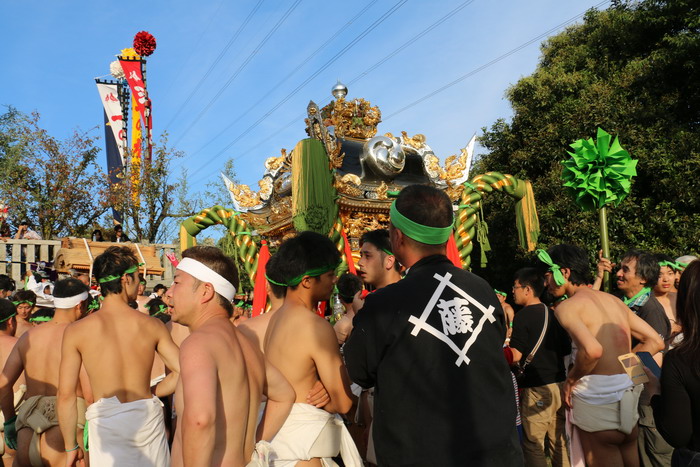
{"type": "Point", "coordinates": [97, 236]}
{"type": "Point", "coordinates": [7, 286]}
{"type": "Point", "coordinates": [348, 285]}
{"type": "Point", "coordinates": [158, 291]}
{"type": "Point", "coordinates": [119, 235]}
{"type": "Point", "coordinates": [24, 232]}
{"type": "Point", "coordinates": [677, 408]}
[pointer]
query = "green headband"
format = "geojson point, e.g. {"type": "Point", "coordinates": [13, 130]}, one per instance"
{"type": "Point", "coordinates": [162, 309]}
{"type": "Point", "coordinates": [387, 252]}
{"type": "Point", "coordinates": [297, 280]}
{"type": "Point", "coordinates": [22, 301]}
{"type": "Point", "coordinates": [40, 319]}
{"type": "Point", "coordinates": [555, 268]}
{"type": "Point", "coordinates": [94, 305]}
{"type": "Point", "coordinates": [5, 319]}
{"type": "Point", "coordinates": [418, 232]}
{"type": "Point", "coordinates": [671, 264]}
{"type": "Point", "coordinates": [130, 270]}
{"type": "Point", "coordinates": [498, 292]}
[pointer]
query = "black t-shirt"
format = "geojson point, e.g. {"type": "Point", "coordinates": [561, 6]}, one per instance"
{"type": "Point", "coordinates": [432, 346]}
{"type": "Point", "coordinates": [677, 410]}
{"type": "Point", "coordinates": [653, 313]}
{"type": "Point", "coordinates": [548, 365]}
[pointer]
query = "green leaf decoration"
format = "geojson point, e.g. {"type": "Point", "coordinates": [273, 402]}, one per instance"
{"type": "Point", "coordinates": [598, 174]}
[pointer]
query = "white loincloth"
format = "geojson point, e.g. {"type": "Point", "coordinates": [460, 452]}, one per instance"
{"type": "Point", "coordinates": [308, 433]}
{"type": "Point", "coordinates": [605, 402]}
{"type": "Point", "coordinates": [261, 455]}
{"type": "Point", "coordinates": [132, 433]}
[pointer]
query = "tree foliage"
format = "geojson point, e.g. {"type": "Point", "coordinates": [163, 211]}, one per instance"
{"type": "Point", "coordinates": [55, 184]}
{"type": "Point", "coordinates": [634, 71]}
{"type": "Point", "coordinates": [150, 203]}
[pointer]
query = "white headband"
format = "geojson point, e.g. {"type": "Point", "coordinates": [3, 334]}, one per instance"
{"type": "Point", "coordinates": [206, 274]}
{"type": "Point", "coordinates": [69, 302]}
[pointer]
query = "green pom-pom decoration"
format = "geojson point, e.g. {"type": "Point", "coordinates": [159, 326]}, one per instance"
{"type": "Point", "coordinates": [598, 174]}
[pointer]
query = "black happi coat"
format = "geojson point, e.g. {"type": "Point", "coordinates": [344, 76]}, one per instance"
{"type": "Point", "coordinates": [431, 407]}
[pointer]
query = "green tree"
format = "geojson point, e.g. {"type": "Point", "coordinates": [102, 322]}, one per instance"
{"type": "Point", "coordinates": [634, 71]}
{"type": "Point", "coordinates": [55, 184]}
{"type": "Point", "coordinates": [154, 204]}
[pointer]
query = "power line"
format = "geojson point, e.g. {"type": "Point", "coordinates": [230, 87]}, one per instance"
{"type": "Point", "coordinates": [442, 88]}
{"type": "Point", "coordinates": [195, 47]}
{"type": "Point", "coordinates": [289, 75]}
{"type": "Point", "coordinates": [376, 23]}
{"type": "Point", "coordinates": [240, 69]}
{"type": "Point", "coordinates": [216, 62]}
{"type": "Point", "coordinates": [492, 62]}
{"type": "Point", "coordinates": [411, 41]}
{"type": "Point", "coordinates": [379, 63]}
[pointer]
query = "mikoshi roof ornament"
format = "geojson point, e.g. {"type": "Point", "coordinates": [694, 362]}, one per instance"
{"type": "Point", "coordinates": [597, 175]}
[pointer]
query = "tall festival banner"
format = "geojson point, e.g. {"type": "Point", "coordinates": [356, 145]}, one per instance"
{"type": "Point", "coordinates": [136, 150]}
{"type": "Point", "coordinates": [115, 133]}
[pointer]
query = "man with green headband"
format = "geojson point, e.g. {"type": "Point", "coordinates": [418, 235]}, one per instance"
{"type": "Point", "coordinates": [24, 300]}
{"type": "Point", "coordinates": [8, 326]}
{"type": "Point", "coordinates": [601, 396]}
{"type": "Point", "coordinates": [34, 429]}
{"type": "Point", "coordinates": [303, 346]}
{"type": "Point", "coordinates": [432, 346]}
{"type": "Point", "coordinates": [117, 345]}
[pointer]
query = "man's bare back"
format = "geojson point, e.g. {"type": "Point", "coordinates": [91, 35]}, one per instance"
{"type": "Point", "coordinates": [607, 320]}
{"type": "Point", "coordinates": [255, 328]}
{"type": "Point", "coordinates": [118, 345]}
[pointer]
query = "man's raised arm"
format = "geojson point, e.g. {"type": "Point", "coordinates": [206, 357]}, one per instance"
{"type": "Point", "coordinates": [649, 339]}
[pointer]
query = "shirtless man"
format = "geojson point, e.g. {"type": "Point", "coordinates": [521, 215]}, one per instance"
{"type": "Point", "coordinates": [378, 265]}
{"type": "Point", "coordinates": [24, 300]}
{"type": "Point", "coordinates": [141, 297]}
{"type": "Point", "coordinates": [216, 362]}
{"type": "Point", "coordinates": [8, 326]}
{"type": "Point", "coordinates": [117, 346]}
{"type": "Point", "coordinates": [34, 428]}
{"type": "Point", "coordinates": [602, 397]}
{"type": "Point", "coordinates": [305, 349]}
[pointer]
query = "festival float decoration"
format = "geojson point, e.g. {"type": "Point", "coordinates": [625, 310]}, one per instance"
{"type": "Point", "coordinates": [597, 175]}
{"type": "Point", "coordinates": [340, 180]}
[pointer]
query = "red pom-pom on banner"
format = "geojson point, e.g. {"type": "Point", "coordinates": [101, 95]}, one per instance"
{"type": "Point", "coordinates": [144, 43]}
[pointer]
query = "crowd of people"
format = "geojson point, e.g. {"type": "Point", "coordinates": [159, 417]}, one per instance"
{"type": "Point", "coordinates": [427, 365]}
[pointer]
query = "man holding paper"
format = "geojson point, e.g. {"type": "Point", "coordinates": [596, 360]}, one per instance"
{"type": "Point", "coordinates": [600, 393]}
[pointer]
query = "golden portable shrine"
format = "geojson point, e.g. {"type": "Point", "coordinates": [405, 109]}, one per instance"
{"type": "Point", "coordinates": [340, 181]}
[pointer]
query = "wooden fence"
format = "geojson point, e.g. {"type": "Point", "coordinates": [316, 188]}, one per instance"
{"type": "Point", "coordinates": [16, 256]}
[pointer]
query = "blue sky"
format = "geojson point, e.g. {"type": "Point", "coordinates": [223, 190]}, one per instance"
{"type": "Point", "coordinates": [55, 49]}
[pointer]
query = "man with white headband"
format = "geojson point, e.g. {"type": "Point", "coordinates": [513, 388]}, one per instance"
{"type": "Point", "coordinates": [223, 374]}
{"type": "Point", "coordinates": [431, 345]}
{"type": "Point", "coordinates": [117, 345]}
{"type": "Point", "coordinates": [33, 431]}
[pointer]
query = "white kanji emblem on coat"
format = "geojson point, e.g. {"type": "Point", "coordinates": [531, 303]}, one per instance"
{"type": "Point", "coordinates": [456, 315]}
